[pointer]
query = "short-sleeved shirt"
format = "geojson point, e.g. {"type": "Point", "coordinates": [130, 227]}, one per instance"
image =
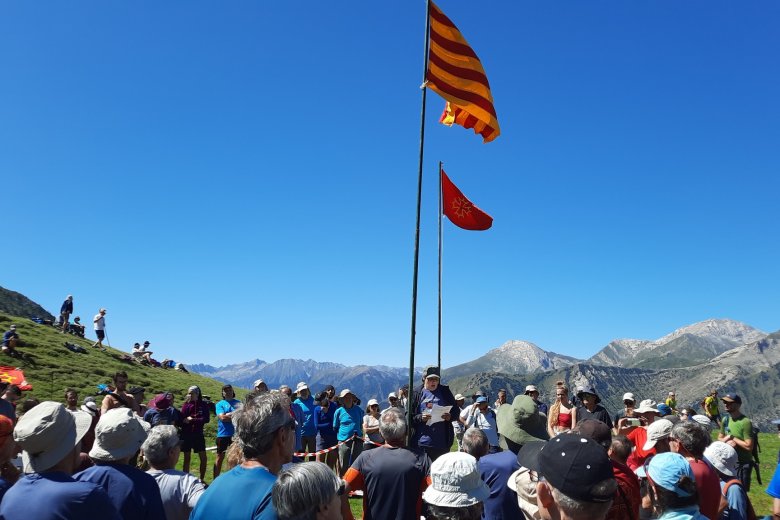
{"type": "Point", "coordinates": [55, 496]}
{"type": "Point", "coordinates": [8, 336]}
{"type": "Point", "coordinates": [711, 405]}
{"type": "Point", "coordinates": [7, 409]}
{"type": "Point", "coordinates": [599, 413]}
{"type": "Point", "coordinates": [348, 422]}
{"type": "Point", "coordinates": [307, 408]}
{"type": "Point", "coordinates": [134, 493]}
{"type": "Point", "coordinates": [485, 421]}
{"type": "Point", "coordinates": [638, 438]}
{"type": "Point", "coordinates": [737, 501]}
{"type": "Point", "coordinates": [243, 493]}
{"type": "Point", "coordinates": [99, 321]}
{"type": "Point", "coordinates": [495, 470]}
{"type": "Point", "coordinates": [392, 480]}
{"type": "Point", "coordinates": [180, 492]}
{"type": "Point", "coordinates": [773, 490]}
{"type": "Point", "coordinates": [225, 428]}
{"type": "Point", "coordinates": [741, 429]}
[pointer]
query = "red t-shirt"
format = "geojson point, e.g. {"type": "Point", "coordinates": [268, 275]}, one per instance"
{"type": "Point", "coordinates": [627, 500]}
{"type": "Point", "coordinates": [638, 438]}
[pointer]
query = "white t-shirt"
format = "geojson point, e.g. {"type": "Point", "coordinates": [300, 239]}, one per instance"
{"type": "Point", "coordinates": [484, 421]}
{"type": "Point", "coordinates": [179, 491]}
{"type": "Point", "coordinates": [369, 421]}
{"type": "Point", "coordinates": [100, 321]}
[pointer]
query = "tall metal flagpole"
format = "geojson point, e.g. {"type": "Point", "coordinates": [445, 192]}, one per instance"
{"type": "Point", "coordinates": [441, 208]}
{"type": "Point", "coordinates": [409, 414]}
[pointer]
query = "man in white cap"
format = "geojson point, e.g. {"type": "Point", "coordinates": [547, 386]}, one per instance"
{"type": "Point", "coordinates": [533, 393]}
{"type": "Point", "coordinates": [100, 327]}
{"type": "Point", "coordinates": [260, 386]}
{"type": "Point", "coordinates": [629, 404]}
{"type": "Point", "coordinates": [307, 428]}
{"type": "Point", "coordinates": [51, 437]}
{"type": "Point", "coordinates": [392, 398]}
{"type": "Point", "coordinates": [119, 435]}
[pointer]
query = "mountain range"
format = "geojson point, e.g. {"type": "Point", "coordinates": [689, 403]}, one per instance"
{"type": "Point", "coordinates": [365, 381]}
{"type": "Point", "coordinates": [720, 354]}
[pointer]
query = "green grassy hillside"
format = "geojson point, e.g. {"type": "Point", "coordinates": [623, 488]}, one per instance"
{"type": "Point", "coordinates": [51, 368]}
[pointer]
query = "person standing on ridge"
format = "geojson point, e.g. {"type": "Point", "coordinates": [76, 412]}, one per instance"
{"type": "Point", "coordinates": [65, 311]}
{"type": "Point", "coordinates": [100, 327]}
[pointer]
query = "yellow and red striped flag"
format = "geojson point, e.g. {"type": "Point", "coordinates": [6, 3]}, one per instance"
{"type": "Point", "coordinates": [456, 74]}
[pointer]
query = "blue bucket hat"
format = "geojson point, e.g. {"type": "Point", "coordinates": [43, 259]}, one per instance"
{"type": "Point", "coordinates": [665, 469]}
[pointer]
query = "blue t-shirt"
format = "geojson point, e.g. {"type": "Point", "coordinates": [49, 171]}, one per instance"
{"type": "Point", "coordinates": [435, 435]}
{"type": "Point", "coordinates": [737, 502]}
{"type": "Point", "coordinates": [324, 421]}
{"type": "Point", "coordinates": [307, 407]}
{"type": "Point", "coordinates": [7, 337]}
{"type": "Point", "coordinates": [135, 493]}
{"type": "Point", "coordinates": [240, 493]}
{"type": "Point", "coordinates": [774, 487]}
{"type": "Point", "coordinates": [495, 470]}
{"type": "Point", "coordinates": [7, 409]}
{"type": "Point", "coordinates": [55, 496]}
{"type": "Point", "coordinates": [225, 428]}
{"type": "Point", "coordinates": [347, 422]}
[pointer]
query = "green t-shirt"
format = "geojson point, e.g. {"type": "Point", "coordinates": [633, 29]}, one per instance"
{"type": "Point", "coordinates": [741, 429]}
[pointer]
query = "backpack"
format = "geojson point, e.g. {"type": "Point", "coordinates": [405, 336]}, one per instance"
{"type": "Point", "coordinates": [751, 513]}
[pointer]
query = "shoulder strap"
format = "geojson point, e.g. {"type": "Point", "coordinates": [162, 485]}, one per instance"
{"type": "Point", "coordinates": [730, 483]}
{"type": "Point", "coordinates": [120, 399]}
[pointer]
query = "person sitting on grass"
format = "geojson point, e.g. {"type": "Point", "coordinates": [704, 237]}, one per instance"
{"type": "Point", "coordinates": [179, 490]}
{"type": "Point", "coordinates": [10, 341]}
{"type": "Point", "coordinates": [142, 352]}
{"type": "Point", "coordinates": [76, 328]}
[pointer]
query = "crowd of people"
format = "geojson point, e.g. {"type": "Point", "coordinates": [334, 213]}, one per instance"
{"type": "Point", "coordinates": [294, 454]}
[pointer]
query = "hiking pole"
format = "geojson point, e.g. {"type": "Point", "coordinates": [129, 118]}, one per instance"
{"type": "Point", "coordinates": [108, 341]}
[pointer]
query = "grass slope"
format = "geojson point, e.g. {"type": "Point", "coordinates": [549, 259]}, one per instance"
{"type": "Point", "coordinates": [51, 368]}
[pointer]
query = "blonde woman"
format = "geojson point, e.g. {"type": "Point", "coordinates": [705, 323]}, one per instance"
{"type": "Point", "coordinates": [563, 413]}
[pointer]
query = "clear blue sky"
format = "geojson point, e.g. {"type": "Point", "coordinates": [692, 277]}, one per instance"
{"type": "Point", "coordinates": [237, 180]}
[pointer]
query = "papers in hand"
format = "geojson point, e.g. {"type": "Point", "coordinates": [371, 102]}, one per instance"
{"type": "Point", "coordinates": [436, 412]}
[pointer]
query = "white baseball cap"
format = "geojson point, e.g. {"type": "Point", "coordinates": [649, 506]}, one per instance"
{"type": "Point", "coordinates": [628, 396]}
{"type": "Point", "coordinates": [301, 386]}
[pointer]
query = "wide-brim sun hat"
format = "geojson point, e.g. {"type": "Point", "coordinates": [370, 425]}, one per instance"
{"type": "Point", "coordinates": [647, 406]}
{"type": "Point", "coordinates": [722, 457]}
{"type": "Point", "coordinates": [119, 433]}
{"type": "Point", "coordinates": [47, 433]}
{"type": "Point", "coordinates": [521, 421]}
{"type": "Point", "coordinates": [455, 482]}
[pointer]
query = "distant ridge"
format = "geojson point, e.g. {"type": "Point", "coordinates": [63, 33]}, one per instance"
{"type": "Point", "coordinates": [513, 357]}
{"type": "Point", "coordinates": [17, 304]}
